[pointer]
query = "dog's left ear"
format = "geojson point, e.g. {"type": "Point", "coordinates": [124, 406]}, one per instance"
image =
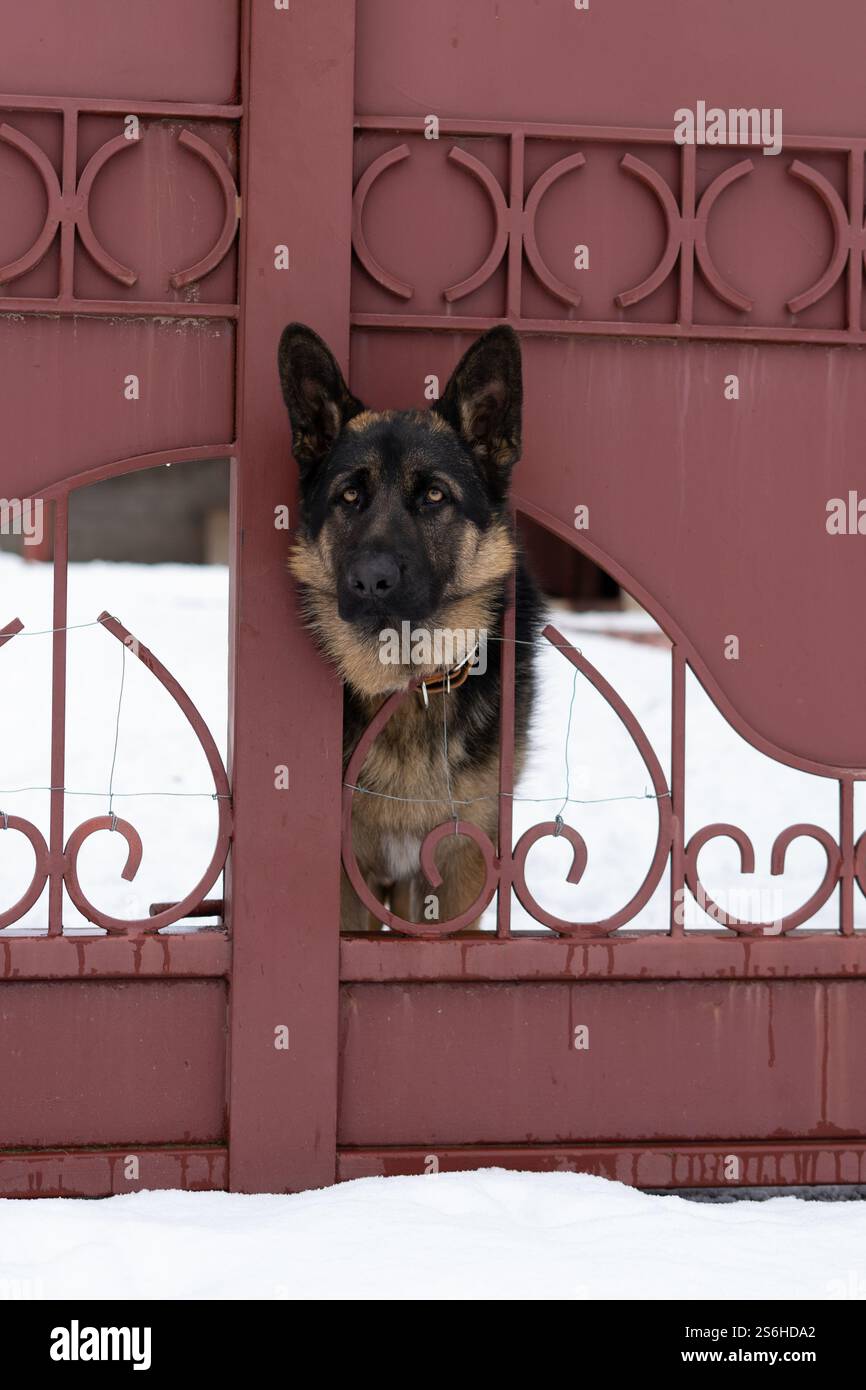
{"type": "Point", "coordinates": [483, 402]}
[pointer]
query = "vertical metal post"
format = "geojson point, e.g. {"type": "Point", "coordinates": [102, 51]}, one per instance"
{"type": "Point", "coordinates": [846, 843]}
{"type": "Point", "coordinates": [506, 764]}
{"type": "Point", "coordinates": [678, 789]}
{"type": "Point", "coordinates": [283, 884]}
{"type": "Point", "coordinates": [58, 715]}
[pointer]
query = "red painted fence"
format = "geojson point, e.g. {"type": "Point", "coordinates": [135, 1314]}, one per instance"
{"type": "Point", "coordinates": [512, 163]}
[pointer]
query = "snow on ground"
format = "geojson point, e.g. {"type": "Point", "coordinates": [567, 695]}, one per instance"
{"type": "Point", "coordinates": [180, 611]}
{"type": "Point", "coordinates": [485, 1235]}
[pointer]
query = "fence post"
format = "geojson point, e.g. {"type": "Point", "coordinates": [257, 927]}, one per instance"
{"type": "Point", "coordinates": [285, 712]}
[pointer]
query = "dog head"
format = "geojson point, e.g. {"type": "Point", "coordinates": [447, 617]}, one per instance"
{"type": "Point", "coordinates": [403, 513]}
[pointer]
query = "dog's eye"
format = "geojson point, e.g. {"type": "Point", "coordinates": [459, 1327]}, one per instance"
{"type": "Point", "coordinates": [350, 495]}
{"type": "Point", "coordinates": [434, 495]}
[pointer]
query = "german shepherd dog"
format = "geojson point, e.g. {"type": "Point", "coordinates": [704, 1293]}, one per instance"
{"type": "Point", "coordinates": [405, 527]}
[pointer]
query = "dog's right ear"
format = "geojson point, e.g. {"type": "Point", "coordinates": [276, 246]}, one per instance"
{"type": "Point", "coordinates": [317, 398]}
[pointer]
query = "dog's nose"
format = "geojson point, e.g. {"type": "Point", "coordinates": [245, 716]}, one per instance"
{"type": "Point", "coordinates": [373, 575]}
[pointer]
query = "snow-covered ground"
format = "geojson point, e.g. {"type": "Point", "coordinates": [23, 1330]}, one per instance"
{"type": "Point", "coordinates": [485, 1235]}
{"type": "Point", "coordinates": [180, 611]}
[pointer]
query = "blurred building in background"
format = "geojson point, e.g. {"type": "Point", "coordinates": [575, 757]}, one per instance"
{"type": "Point", "coordinates": [173, 514]}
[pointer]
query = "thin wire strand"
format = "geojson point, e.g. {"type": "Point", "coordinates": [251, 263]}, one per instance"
{"type": "Point", "coordinates": [495, 796]}
{"type": "Point", "coordinates": [454, 816]}
{"type": "Point", "coordinates": [46, 631]}
{"type": "Point", "coordinates": [68, 791]}
{"type": "Point", "coordinates": [567, 766]}
{"type": "Point", "coordinates": [116, 730]}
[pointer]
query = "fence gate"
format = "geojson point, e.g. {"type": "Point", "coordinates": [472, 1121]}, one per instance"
{"type": "Point", "coordinates": [404, 175]}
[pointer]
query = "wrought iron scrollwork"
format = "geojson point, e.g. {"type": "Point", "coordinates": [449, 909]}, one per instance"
{"type": "Point", "coordinates": [68, 868]}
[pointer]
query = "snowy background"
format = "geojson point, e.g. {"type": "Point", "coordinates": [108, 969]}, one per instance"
{"type": "Point", "coordinates": [180, 612]}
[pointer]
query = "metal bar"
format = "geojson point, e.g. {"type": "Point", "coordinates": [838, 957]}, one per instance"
{"type": "Point", "coordinates": [69, 177]}
{"type": "Point", "coordinates": [210, 907]}
{"type": "Point", "coordinates": [600, 328]}
{"type": "Point", "coordinates": [800, 1162]}
{"type": "Point", "coordinates": [506, 768]}
{"type": "Point", "coordinates": [678, 789]}
{"type": "Point", "coordinates": [199, 955]}
{"type": "Point", "coordinates": [635, 955]}
{"type": "Point", "coordinates": [285, 926]}
{"type": "Point", "coordinates": [687, 249]}
{"type": "Point", "coordinates": [101, 1172]}
{"type": "Point", "coordinates": [544, 130]}
{"type": "Point", "coordinates": [58, 716]}
{"type": "Point", "coordinates": [846, 844]}
{"type": "Point", "coordinates": [117, 467]}
{"type": "Point", "coordinates": [117, 308]}
{"type": "Point", "coordinates": [855, 221]}
{"type": "Point", "coordinates": [515, 233]}
{"type": "Point", "coordinates": [108, 106]}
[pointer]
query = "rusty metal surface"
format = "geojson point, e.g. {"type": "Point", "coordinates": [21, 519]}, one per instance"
{"type": "Point", "coordinates": [106, 1172]}
{"type": "Point", "coordinates": [479, 956]}
{"type": "Point", "coordinates": [547, 1063]}
{"type": "Point", "coordinates": [123, 52]}
{"type": "Point", "coordinates": [206, 955]}
{"type": "Point", "coordinates": [659, 1166]}
{"type": "Point", "coordinates": [612, 64]}
{"type": "Point", "coordinates": [103, 1062]}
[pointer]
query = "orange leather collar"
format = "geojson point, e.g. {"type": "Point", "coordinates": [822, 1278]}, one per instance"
{"type": "Point", "coordinates": [449, 680]}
